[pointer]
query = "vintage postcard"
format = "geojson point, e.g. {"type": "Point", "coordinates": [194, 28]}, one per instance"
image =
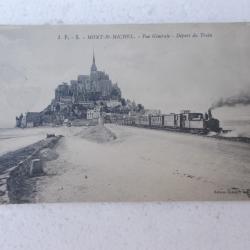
{"type": "Point", "coordinates": [125, 113]}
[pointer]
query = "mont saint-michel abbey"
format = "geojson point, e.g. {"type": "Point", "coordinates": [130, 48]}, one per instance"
{"type": "Point", "coordinates": [84, 98]}
{"type": "Point", "coordinates": [92, 87]}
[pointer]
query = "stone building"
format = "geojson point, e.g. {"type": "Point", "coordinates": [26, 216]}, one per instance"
{"type": "Point", "coordinates": [87, 88]}
{"type": "Point", "coordinates": [31, 119]}
{"type": "Point", "coordinates": [93, 114]}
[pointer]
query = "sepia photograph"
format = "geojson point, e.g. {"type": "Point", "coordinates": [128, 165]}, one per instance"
{"type": "Point", "coordinates": [124, 113]}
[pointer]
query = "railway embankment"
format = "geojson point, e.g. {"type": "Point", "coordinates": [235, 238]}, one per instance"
{"type": "Point", "coordinates": [18, 166]}
{"type": "Point", "coordinates": [224, 135]}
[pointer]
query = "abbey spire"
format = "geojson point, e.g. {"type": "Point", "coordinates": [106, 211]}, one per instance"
{"type": "Point", "coordinates": [93, 66]}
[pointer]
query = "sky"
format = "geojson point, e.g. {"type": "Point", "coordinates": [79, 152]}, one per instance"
{"type": "Point", "coordinates": [170, 74]}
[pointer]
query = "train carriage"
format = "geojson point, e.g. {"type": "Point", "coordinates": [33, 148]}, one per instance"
{"type": "Point", "coordinates": [196, 121]}
{"type": "Point", "coordinates": [169, 121]}
{"type": "Point", "coordinates": [129, 120]}
{"type": "Point", "coordinates": [156, 121]}
{"type": "Point", "coordinates": [190, 121]}
{"type": "Point", "coordinates": [142, 121]}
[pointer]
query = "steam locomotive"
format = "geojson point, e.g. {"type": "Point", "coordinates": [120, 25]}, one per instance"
{"type": "Point", "coordinates": [185, 121]}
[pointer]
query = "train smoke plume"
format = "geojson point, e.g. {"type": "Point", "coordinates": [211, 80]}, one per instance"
{"type": "Point", "coordinates": [241, 99]}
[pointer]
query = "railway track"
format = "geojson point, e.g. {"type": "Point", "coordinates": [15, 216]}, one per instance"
{"type": "Point", "coordinates": [199, 133]}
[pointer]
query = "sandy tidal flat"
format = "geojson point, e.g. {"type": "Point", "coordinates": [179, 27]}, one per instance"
{"type": "Point", "coordinates": [144, 165]}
